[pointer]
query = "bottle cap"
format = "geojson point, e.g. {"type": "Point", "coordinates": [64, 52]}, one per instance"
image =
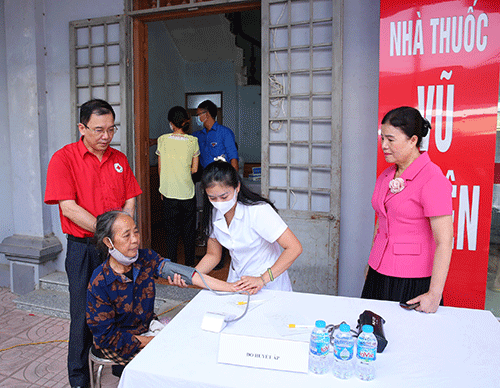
{"type": "Point", "coordinates": [344, 327]}
{"type": "Point", "coordinates": [320, 324]}
{"type": "Point", "coordinates": [368, 328]}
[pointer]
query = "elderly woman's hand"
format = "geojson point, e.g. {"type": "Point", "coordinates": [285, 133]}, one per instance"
{"type": "Point", "coordinates": [177, 281]}
{"type": "Point", "coordinates": [144, 340]}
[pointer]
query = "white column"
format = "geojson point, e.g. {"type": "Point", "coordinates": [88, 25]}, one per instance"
{"type": "Point", "coordinates": [28, 248]}
{"type": "Point", "coordinates": [24, 32]}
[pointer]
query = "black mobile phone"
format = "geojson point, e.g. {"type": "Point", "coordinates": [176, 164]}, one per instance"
{"type": "Point", "coordinates": [407, 306]}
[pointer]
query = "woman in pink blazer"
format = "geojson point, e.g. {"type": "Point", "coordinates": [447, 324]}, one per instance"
{"type": "Point", "coordinates": [413, 236]}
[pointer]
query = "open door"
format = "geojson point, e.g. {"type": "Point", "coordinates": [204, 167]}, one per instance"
{"type": "Point", "coordinates": [142, 13]}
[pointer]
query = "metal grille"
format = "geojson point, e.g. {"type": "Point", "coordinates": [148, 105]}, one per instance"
{"type": "Point", "coordinates": [141, 7]}
{"type": "Point", "coordinates": [301, 136]}
{"type": "Point", "coordinates": [98, 69]}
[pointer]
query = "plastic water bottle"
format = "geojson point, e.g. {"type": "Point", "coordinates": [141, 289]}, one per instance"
{"type": "Point", "coordinates": [343, 351]}
{"type": "Point", "coordinates": [366, 354]}
{"type": "Point", "coordinates": [319, 348]}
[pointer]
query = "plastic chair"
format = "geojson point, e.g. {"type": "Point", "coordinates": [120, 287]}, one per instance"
{"type": "Point", "coordinates": [102, 362]}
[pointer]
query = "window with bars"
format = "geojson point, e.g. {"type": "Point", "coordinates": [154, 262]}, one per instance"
{"type": "Point", "coordinates": [300, 141]}
{"type": "Point", "coordinates": [97, 69]}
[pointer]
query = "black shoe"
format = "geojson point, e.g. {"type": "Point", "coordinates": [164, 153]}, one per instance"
{"type": "Point", "coordinates": [117, 370]}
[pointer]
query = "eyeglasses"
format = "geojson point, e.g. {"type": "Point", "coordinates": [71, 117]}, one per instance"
{"type": "Point", "coordinates": [100, 132]}
{"type": "Point", "coordinates": [201, 113]}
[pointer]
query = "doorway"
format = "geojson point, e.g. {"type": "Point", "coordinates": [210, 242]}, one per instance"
{"type": "Point", "coordinates": [192, 52]}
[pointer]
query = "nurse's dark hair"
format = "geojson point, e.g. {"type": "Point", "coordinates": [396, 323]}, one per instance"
{"type": "Point", "coordinates": [97, 107]}
{"type": "Point", "coordinates": [409, 120]}
{"type": "Point", "coordinates": [179, 117]}
{"type": "Point", "coordinates": [104, 228]}
{"type": "Point", "coordinates": [223, 173]}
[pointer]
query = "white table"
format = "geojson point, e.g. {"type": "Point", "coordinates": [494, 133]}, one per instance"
{"type": "Point", "coordinates": [452, 348]}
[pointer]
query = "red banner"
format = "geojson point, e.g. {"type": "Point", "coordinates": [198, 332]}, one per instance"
{"type": "Point", "coordinates": [442, 57]}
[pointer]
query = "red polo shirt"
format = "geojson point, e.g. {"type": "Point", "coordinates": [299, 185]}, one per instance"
{"type": "Point", "coordinates": [97, 186]}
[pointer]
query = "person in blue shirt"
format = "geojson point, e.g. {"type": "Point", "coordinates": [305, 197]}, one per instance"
{"type": "Point", "coordinates": [215, 140]}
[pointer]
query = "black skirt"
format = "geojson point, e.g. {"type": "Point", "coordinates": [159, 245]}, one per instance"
{"type": "Point", "coordinates": [383, 287]}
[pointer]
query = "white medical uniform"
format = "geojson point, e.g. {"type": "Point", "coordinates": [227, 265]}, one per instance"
{"type": "Point", "coordinates": [251, 241]}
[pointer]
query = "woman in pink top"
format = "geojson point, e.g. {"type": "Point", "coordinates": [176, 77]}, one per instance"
{"type": "Point", "coordinates": [413, 235]}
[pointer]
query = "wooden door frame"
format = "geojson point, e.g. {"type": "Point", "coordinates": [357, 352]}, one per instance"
{"type": "Point", "coordinates": [141, 96]}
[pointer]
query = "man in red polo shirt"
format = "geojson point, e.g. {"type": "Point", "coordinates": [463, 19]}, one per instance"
{"type": "Point", "coordinates": [86, 179]}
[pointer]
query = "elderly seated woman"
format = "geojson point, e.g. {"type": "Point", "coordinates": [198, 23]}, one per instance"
{"type": "Point", "coordinates": [121, 293]}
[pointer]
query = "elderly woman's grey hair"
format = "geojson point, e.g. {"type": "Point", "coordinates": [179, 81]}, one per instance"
{"type": "Point", "coordinates": [104, 228]}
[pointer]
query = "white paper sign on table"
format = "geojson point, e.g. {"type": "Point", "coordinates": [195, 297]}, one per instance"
{"type": "Point", "coordinates": [268, 353]}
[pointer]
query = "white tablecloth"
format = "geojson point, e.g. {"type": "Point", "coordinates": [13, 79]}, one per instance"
{"type": "Point", "coordinates": [452, 348]}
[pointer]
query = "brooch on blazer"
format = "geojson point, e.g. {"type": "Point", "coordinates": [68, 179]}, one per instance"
{"type": "Point", "coordinates": [397, 185]}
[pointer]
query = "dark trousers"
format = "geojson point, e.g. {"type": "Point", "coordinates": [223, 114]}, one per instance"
{"type": "Point", "coordinates": [81, 260]}
{"type": "Point", "coordinates": [180, 219]}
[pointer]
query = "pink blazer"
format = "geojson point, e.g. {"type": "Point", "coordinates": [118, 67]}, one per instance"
{"type": "Point", "coordinates": [404, 245]}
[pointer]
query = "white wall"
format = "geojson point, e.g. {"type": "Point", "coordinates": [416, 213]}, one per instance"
{"type": "Point", "coordinates": [166, 81]}
{"type": "Point", "coordinates": [359, 141]}
{"type": "Point", "coordinates": [216, 76]}
{"type": "Point", "coordinates": [6, 211]}
{"type": "Point", "coordinates": [26, 112]}
{"type": "Point", "coordinates": [250, 133]}
{"type": "Point", "coordinates": [166, 78]}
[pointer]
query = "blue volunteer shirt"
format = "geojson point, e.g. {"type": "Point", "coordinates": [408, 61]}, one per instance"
{"type": "Point", "coordinates": [216, 142]}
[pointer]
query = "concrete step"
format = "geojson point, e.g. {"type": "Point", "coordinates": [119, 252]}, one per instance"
{"type": "Point", "coordinates": [48, 302]}
{"type": "Point", "coordinates": [53, 297]}
{"type": "Point", "coordinates": [4, 275]}
{"type": "Point", "coordinates": [56, 281]}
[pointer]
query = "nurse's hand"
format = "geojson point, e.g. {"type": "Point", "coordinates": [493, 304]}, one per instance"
{"type": "Point", "coordinates": [252, 284]}
{"type": "Point", "coordinates": [230, 287]}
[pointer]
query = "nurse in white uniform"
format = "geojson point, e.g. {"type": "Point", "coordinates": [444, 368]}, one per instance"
{"type": "Point", "coordinates": [261, 245]}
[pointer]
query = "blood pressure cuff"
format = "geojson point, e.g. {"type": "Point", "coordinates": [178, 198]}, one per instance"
{"type": "Point", "coordinates": [370, 318]}
{"type": "Point", "coordinates": [169, 269]}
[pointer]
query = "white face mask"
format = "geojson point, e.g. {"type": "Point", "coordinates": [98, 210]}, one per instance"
{"type": "Point", "coordinates": [198, 121]}
{"type": "Point", "coordinates": [120, 257]}
{"type": "Point", "coordinates": [171, 126]}
{"type": "Point", "coordinates": [225, 206]}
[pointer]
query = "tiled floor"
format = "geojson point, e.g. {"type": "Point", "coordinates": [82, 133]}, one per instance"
{"type": "Point", "coordinates": [41, 365]}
